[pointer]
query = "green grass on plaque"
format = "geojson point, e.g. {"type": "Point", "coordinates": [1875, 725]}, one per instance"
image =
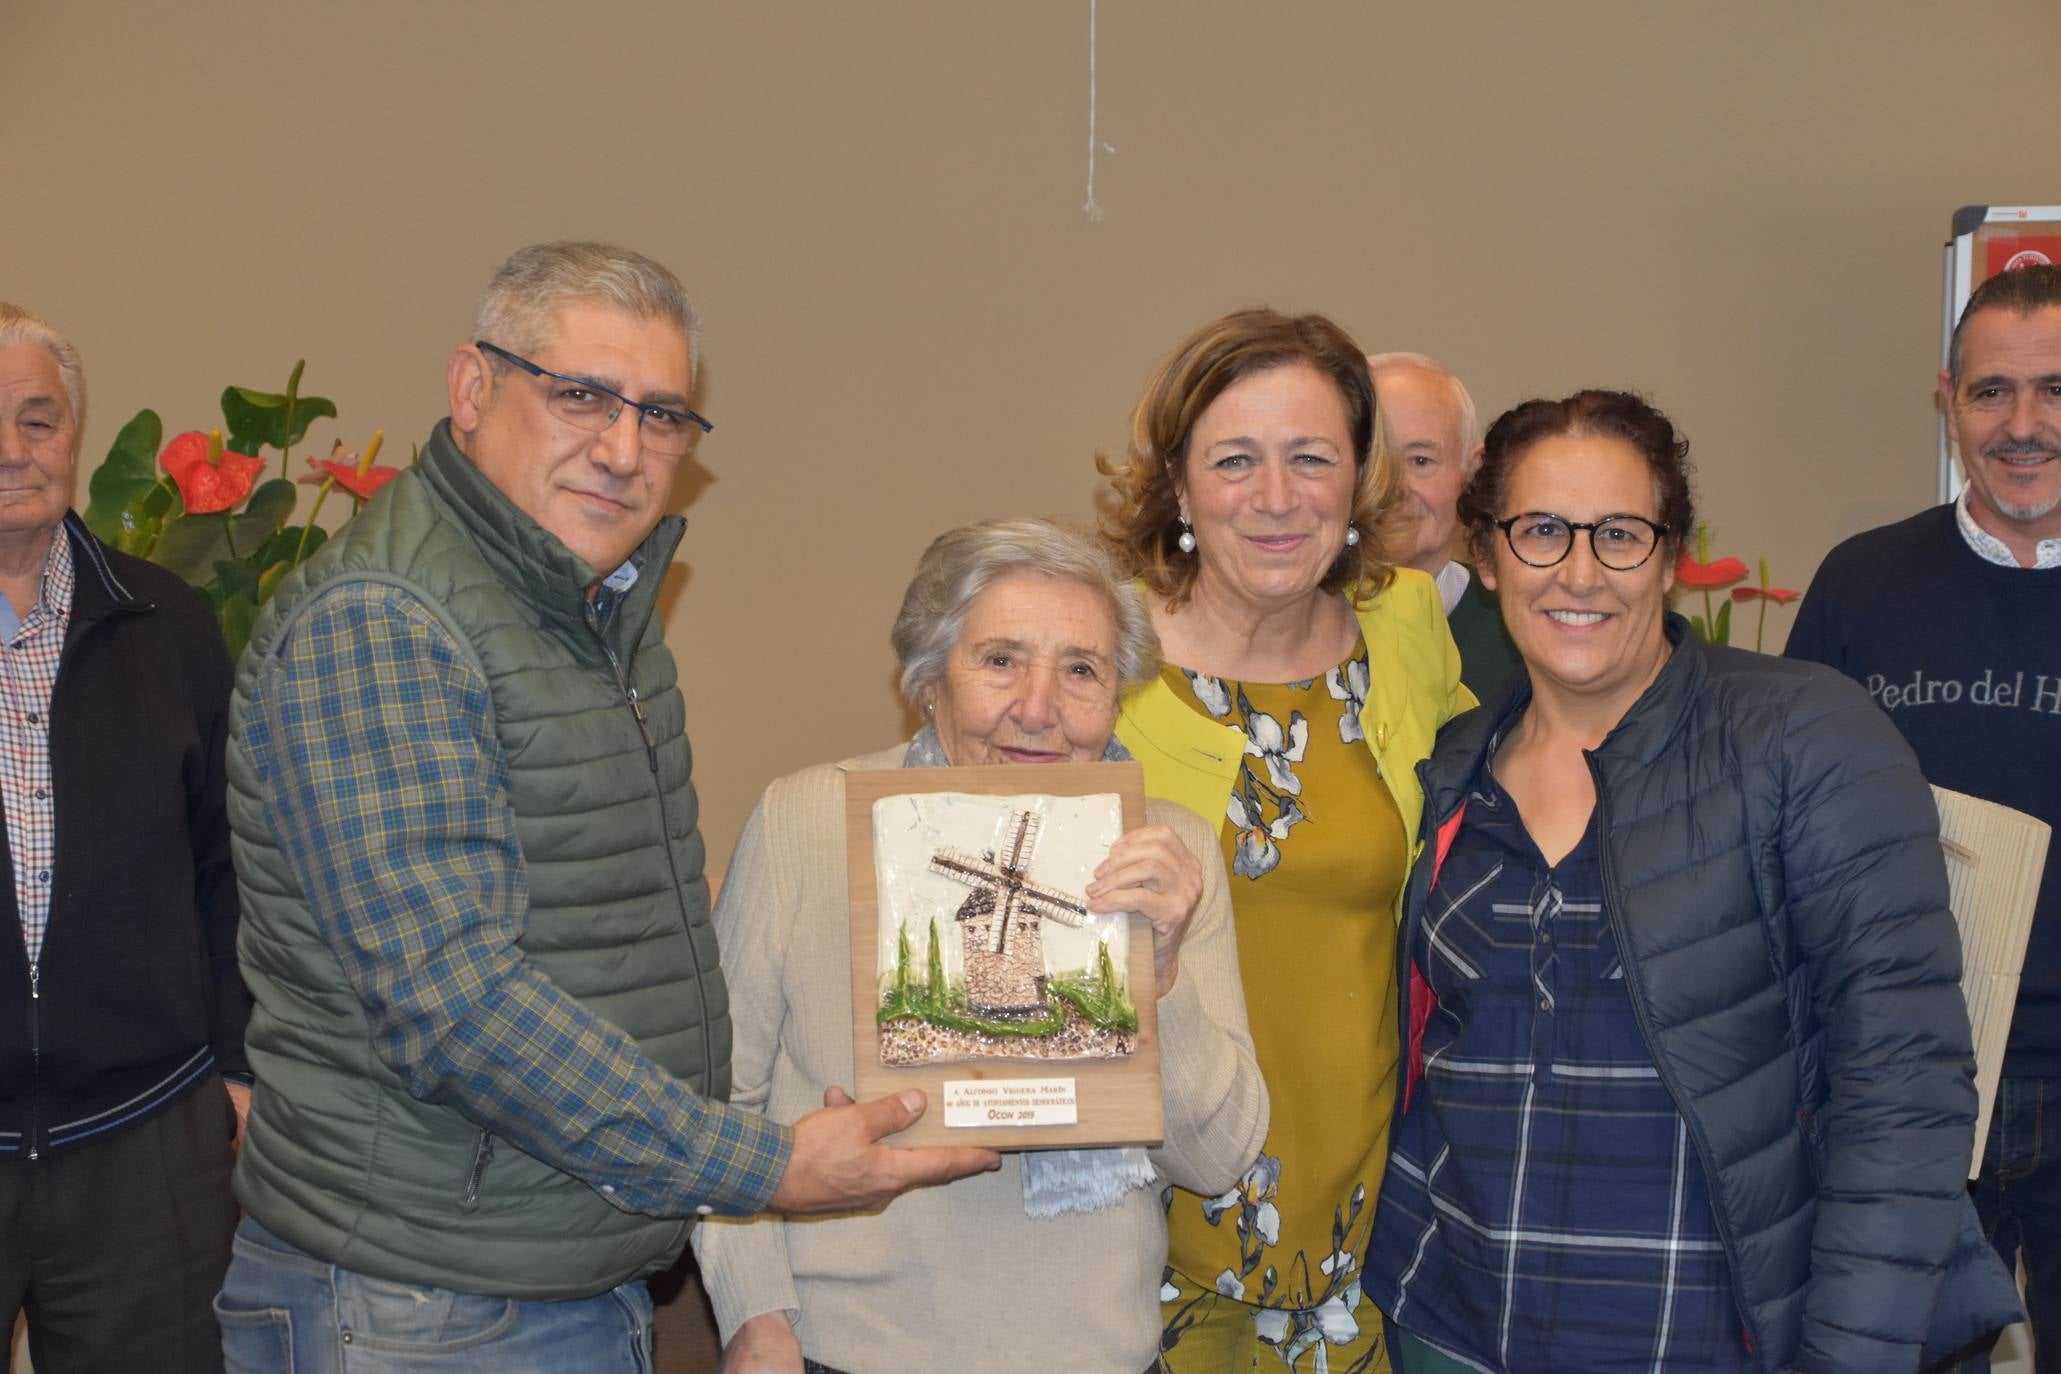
{"type": "Point", "coordinates": [1099, 996]}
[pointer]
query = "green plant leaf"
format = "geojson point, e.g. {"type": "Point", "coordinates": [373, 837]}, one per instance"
{"type": "Point", "coordinates": [279, 548]}
{"type": "Point", "coordinates": [260, 419]}
{"type": "Point", "coordinates": [140, 540]}
{"type": "Point", "coordinates": [125, 478]}
{"type": "Point", "coordinates": [317, 537]}
{"type": "Point", "coordinates": [1724, 624]}
{"type": "Point", "coordinates": [270, 507]}
{"type": "Point", "coordinates": [239, 614]}
{"type": "Point", "coordinates": [237, 577]}
{"type": "Point", "coordinates": [268, 582]}
{"type": "Point", "coordinates": [1696, 624]}
{"type": "Point", "coordinates": [191, 545]}
{"type": "Point", "coordinates": [142, 521]}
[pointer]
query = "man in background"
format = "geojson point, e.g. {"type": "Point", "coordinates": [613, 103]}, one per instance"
{"type": "Point", "coordinates": [124, 1010]}
{"type": "Point", "coordinates": [1952, 619]}
{"type": "Point", "coordinates": [491, 1033]}
{"type": "Point", "coordinates": [1436, 439]}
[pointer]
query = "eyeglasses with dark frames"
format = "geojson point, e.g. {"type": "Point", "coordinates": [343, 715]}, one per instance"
{"type": "Point", "coordinates": [1619, 542]}
{"type": "Point", "coordinates": [584, 402]}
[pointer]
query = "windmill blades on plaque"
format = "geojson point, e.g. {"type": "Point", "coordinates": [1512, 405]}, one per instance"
{"type": "Point", "coordinates": [1055, 905]}
{"type": "Point", "coordinates": [1025, 840]}
{"type": "Point", "coordinates": [957, 863]}
{"type": "Point", "coordinates": [998, 938]}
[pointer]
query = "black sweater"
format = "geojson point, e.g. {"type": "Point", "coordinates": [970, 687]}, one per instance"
{"type": "Point", "coordinates": [1965, 656]}
{"type": "Point", "coordinates": [138, 999]}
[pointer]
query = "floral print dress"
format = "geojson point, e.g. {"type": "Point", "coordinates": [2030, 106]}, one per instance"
{"type": "Point", "coordinates": [1316, 849]}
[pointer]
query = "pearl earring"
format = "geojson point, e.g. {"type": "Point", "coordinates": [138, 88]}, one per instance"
{"type": "Point", "coordinates": [1186, 543]}
{"type": "Point", "coordinates": [1352, 535]}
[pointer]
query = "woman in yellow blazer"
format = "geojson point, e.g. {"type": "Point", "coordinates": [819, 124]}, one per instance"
{"type": "Point", "coordinates": [1306, 678]}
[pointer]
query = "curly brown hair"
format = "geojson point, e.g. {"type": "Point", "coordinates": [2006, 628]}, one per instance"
{"type": "Point", "coordinates": [1609, 414]}
{"type": "Point", "coordinates": [1143, 520]}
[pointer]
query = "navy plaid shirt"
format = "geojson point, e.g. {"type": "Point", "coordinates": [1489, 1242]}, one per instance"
{"type": "Point", "coordinates": [389, 797]}
{"type": "Point", "coordinates": [1543, 1208]}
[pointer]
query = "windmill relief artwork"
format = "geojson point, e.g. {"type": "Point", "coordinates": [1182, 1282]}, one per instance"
{"type": "Point", "coordinates": [987, 948]}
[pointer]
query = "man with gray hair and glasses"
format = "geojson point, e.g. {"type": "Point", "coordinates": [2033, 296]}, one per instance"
{"type": "Point", "coordinates": [491, 1035]}
{"type": "Point", "coordinates": [125, 1014]}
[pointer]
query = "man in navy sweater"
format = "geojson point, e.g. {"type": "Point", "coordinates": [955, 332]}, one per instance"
{"type": "Point", "coordinates": [1952, 619]}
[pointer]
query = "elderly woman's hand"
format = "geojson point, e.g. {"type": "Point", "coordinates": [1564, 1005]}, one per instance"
{"type": "Point", "coordinates": [764, 1345]}
{"type": "Point", "coordinates": [1151, 872]}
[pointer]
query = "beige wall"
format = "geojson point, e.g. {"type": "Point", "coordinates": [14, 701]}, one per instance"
{"type": "Point", "coordinates": [910, 321]}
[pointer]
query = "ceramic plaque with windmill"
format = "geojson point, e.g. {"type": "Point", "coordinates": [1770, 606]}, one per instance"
{"type": "Point", "coordinates": [1002, 919]}
{"type": "Point", "coordinates": [990, 984]}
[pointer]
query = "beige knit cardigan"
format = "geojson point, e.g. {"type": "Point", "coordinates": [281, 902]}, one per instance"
{"type": "Point", "coordinates": [954, 1278]}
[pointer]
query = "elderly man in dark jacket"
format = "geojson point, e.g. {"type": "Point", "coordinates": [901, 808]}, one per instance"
{"type": "Point", "coordinates": [126, 1011]}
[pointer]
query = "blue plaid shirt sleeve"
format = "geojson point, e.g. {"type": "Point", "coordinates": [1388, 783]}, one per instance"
{"type": "Point", "coordinates": [388, 793]}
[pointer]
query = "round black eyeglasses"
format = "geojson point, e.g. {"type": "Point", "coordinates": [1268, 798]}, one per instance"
{"type": "Point", "coordinates": [1619, 542]}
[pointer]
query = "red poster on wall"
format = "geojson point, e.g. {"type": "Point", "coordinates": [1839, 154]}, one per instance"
{"type": "Point", "coordinates": [2031, 250]}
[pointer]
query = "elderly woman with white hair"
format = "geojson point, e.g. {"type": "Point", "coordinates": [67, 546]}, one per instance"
{"type": "Point", "coordinates": [1016, 638]}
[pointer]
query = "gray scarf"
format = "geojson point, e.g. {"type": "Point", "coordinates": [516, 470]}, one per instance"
{"type": "Point", "coordinates": [1056, 1182]}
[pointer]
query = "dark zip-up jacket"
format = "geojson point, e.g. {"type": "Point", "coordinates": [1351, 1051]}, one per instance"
{"type": "Point", "coordinates": [1773, 877]}
{"type": "Point", "coordinates": [137, 999]}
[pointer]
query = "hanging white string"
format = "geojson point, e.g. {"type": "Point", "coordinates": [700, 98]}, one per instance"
{"type": "Point", "coordinates": [1090, 208]}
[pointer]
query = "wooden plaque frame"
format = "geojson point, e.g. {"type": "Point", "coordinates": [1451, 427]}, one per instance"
{"type": "Point", "coordinates": [1119, 1099]}
{"type": "Point", "coordinates": [1994, 858]}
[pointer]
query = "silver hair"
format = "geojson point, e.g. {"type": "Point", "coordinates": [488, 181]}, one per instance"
{"type": "Point", "coordinates": [1470, 419]}
{"type": "Point", "coordinates": [961, 564]}
{"type": "Point", "coordinates": [521, 302]}
{"type": "Point", "coordinates": [21, 325]}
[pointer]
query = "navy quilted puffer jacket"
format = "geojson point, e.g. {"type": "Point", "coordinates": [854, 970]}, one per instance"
{"type": "Point", "coordinates": [1773, 874]}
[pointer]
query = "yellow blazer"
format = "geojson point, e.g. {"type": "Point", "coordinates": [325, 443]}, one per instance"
{"type": "Point", "coordinates": [1413, 687]}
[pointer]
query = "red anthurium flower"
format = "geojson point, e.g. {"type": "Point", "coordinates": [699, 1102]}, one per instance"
{"type": "Point", "coordinates": [1781, 596]}
{"type": "Point", "coordinates": [356, 474]}
{"type": "Point", "coordinates": [359, 484]}
{"type": "Point", "coordinates": [210, 478]}
{"type": "Point", "coordinates": [1713, 576]}
{"type": "Point", "coordinates": [317, 474]}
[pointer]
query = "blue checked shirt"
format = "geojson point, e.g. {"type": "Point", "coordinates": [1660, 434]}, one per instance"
{"type": "Point", "coordinates": [1543, 1207]}
{"type": "Point", "coordinates": [389, 797]}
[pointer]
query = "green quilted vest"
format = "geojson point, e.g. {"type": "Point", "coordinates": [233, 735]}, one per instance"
{"type": "Point", "coordinates": [340, 1160]}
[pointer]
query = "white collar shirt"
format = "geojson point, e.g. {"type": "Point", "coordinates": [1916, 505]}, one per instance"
{"type": "Point", "coordinates": [1991, 549]}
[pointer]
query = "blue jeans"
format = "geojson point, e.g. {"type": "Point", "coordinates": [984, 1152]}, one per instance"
{"type": "Point", "coordinates": [2018, 1198]}
{"type": "Point", "coordinates": [283, 1311]}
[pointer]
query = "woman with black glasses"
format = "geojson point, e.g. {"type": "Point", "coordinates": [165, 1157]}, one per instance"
{"type": "Point", "coordinates": [1690, 1078]}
